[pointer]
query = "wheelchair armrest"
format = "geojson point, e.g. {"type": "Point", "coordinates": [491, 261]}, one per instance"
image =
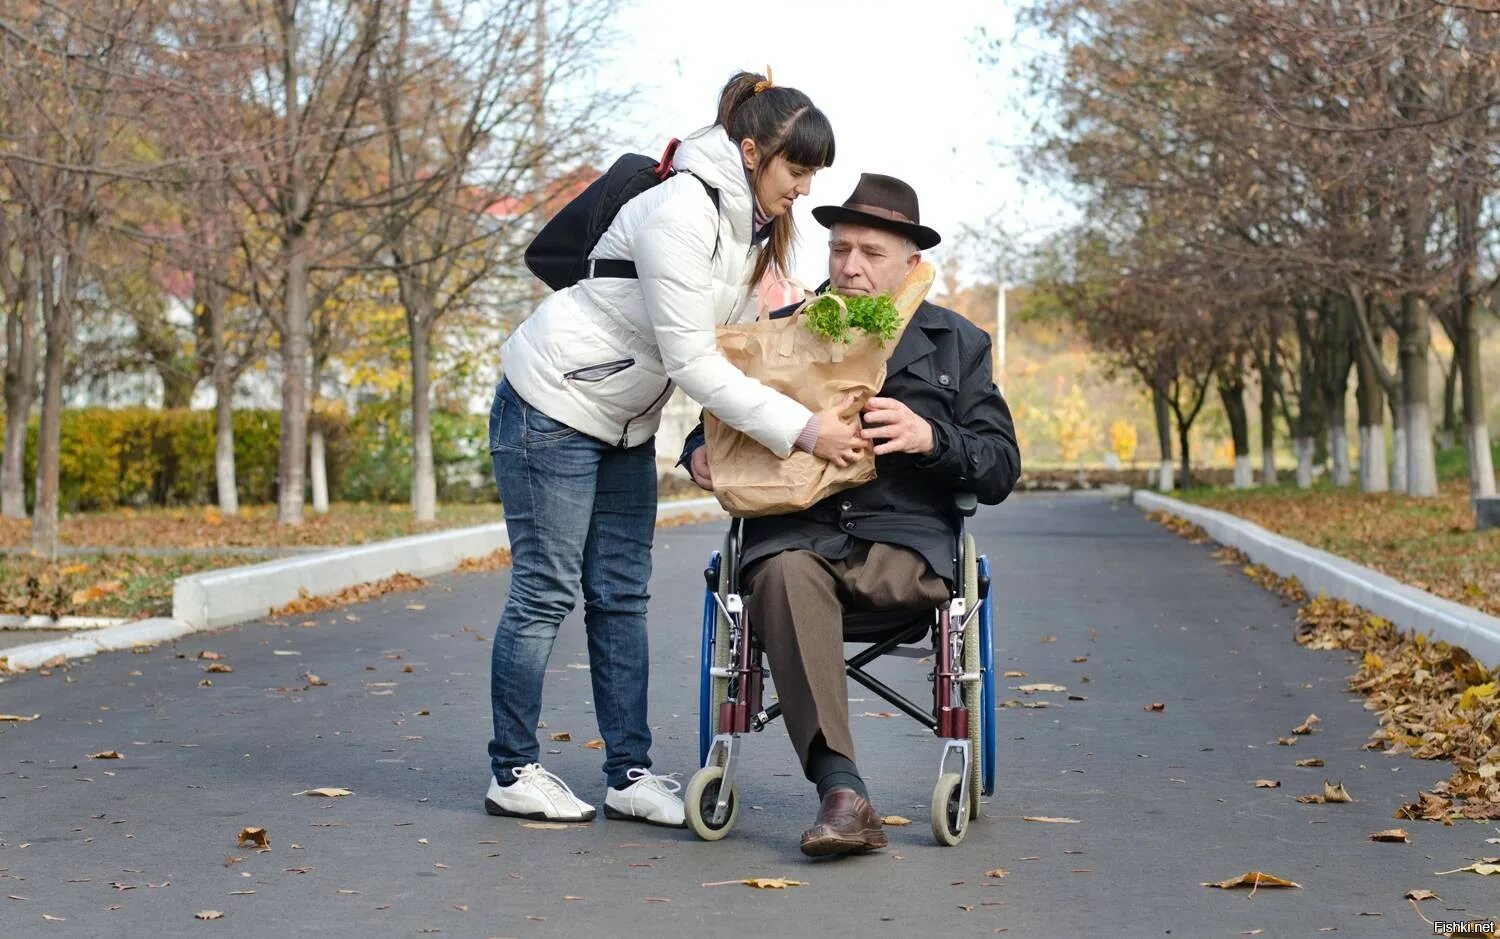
{"type": "Point", "coordinates": [967, 503]}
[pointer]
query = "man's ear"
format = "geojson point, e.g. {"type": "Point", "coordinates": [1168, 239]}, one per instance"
{"type": "Point", "coordinates": [749, 152]}
{"type": "Point", "coordinates": [913, 260]}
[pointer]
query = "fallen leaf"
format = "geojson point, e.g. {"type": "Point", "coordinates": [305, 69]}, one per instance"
{"type": "Point", "coordinates": [578, 665]}
{"type": "Point", "coordinates": [1306, 727]}
{"type": "Point", "coordinates": [285, 652]}
{"type": "Point", "coordinates": [97, 591]}
{"type": "Point", "coordinates": [560, 736]}
{"type": "Point", "coordinates": [18, 718]}
{"type": "Point", "coordinates": [1044, 686]}
{"type": "Point", "coordinates": [1392, 834]}
{"type": "Point", "coordinates": [416, 606]}
{"type": "Point", "coordinates": [255, 836]}
{"type": "Point", "coordinates": [895, 820]}
{"type": "Point", "coordinates": [1049, 638]}
{"type": "Point", "coordinates": [1267, 783]}
{"type": "Point", "coordinates": [327, 793]}
{"type": "Point", "coordinates": [106, 755]}
{"type": "Point", "coordinates": [998, 873]}
{"type": "Point", "coordinates": [574, 898]}
{"type": "Point", "coordinates": [71, 569]}
{"type": "Point", "coordinates": [594, 745]}
{"type": "Point", "coordinates": [1484, 866]}
{"type": "Point", "coordinates": [1421, 895]}
{"type": "Point", "coordinates": [230, 860]}
{"type": "Point", "coordinates": [1046, 818]}
{"type": "Point", "coordinates": [208, 914]}
{"type": "Point", "coordinates": [54, 919]}
{"type": "Point", "coordinates": [1253, 879]}
{"type": "Point", "coordinates": [546, 826]}
{"type": "Point", "coordinates": [1154, 706]}
{"type": "Point", "coordinates": [1015, 674]}
{"type": "Point", "coordinates": [218, 667]}
{"type": "Point", "coordinates": [759, 883]}
{"type": "Point", "coordinates": [1312, 761]}
{"type": "Point", "coordinates": [209, 656]}
{"type": "Point", "coordinates": [1287, 741]}
{"type": "Point", "coordinates": [313, 680]}
{"type": "Point", "coordinates": [1080, 659]}
{"type": "Point", "coordinates": [878, 714]}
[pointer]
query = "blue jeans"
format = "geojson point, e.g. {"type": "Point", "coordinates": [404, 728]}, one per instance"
{"type": "Point", "coordinates": [577, 511]}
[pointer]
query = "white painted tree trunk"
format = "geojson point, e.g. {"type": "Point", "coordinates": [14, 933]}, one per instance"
{"type": "Point", "coordinates": [1303, 447]}
{"type": "Point", "coordinates": [1421, 461]}
{"type": "Point", "coordinates": [1164, 476]}
{"type": "Point", "coordinates": [229, 497]}
{"type": "Point", "coordinates": [317, 457]}
{"type": "Point", "coordinates": [1244, 473]}
{"type": "Point", "coordinates": [1338, 443]}
{"type": "Point", "coordinates": [1398, 461]}
{"type": "Point", "coordinates": [1374, 474]}
{"type": "Point", "coordinates": [423, 480]}
{"type": "Point", "coordinates": [1268, 466]}
{"type": "Point", "coordinates": [1481, 464]}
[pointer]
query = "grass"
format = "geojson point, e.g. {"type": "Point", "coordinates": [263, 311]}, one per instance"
{"type": "Point", "coordinates": [1428, 543]}
{"type": "Point", "coordinates": [112, 585]}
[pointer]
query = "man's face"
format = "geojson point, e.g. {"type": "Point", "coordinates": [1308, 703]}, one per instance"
{"type": "Point", "coordinates": [866, 261]}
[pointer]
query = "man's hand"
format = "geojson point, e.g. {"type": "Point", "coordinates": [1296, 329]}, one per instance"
{"type": "Point", "coordinates": [698, 469]}
{"type": "Point", "coordinates": [901, 429]}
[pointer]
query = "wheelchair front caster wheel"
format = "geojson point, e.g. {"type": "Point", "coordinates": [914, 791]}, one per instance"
{"type": "Point", "coordinates": [950, 816]}
{"type": "Point", "coordinates": [702, 797]}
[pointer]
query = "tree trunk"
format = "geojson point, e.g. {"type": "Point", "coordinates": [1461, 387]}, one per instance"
{"type": "Point", "coordinates": [1187, 466]}
{"type": "Point", "coordinates": [1163, 438]}
{"type": "Point", "coordinates": [1304, 448]}
{"type": "Point", "coordinates": [1268, 384]}
{"type": "Point", "coordinates": [1467, 360]}
{"type": "Point", "coordinates": [1232, 392]}
{"type": "Point", "coordinates": [294, 384]}
{"type": "Point", "coordinates": [318, 461]}
{"type": "Point", "coordinates": [423, 473]}
{"type": "Point", "coordinates": [1374, 474]}
{"type": "Point", "coordinates": [1446, 431]}
{"type": "Point", "coordinates": [224, 475]}
{"type": "Point", "coordinates": [20, 388]}
{"type": "Point", "coordinates": [1400, 462]}
{"type": "Point", "coordinates": [1416, 340]}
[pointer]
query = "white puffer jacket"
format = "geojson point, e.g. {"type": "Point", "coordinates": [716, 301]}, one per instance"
{"type": "Point", "coordinates": [602, 355]}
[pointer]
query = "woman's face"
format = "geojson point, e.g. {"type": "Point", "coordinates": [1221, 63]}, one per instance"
{"type": "Point", "coordinates": [781, 184]}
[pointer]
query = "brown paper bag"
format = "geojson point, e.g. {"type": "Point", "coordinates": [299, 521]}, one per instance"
{"type": "Point", "coordinates": [750, 480]}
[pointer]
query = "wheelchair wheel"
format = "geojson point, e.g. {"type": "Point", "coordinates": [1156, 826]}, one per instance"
{"type": "Point", "coordinates": [987, 659]}
{"type": "Point", "coordinates": [699, 800]}
{"type": "Point", "coordinates": [973, 691]}
{"type": "Point", "coordinates": [715, 654]}
{"type": "Point", "coordinates": [950, 818]}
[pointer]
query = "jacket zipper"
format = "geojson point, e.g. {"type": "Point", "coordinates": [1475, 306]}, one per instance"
{"type": "Point", "coordinates": [625, 430]}
{"type": "Point", "coordinates": [609, 368]}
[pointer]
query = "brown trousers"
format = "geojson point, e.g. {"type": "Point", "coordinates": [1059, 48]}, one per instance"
{"type": "Point", "coordinates": [796, 601]}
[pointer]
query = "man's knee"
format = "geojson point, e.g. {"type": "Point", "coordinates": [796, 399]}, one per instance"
{"type": "Point", "coordinates": [790, 572]}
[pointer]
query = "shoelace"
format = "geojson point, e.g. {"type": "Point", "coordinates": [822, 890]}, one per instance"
{"type": "Point", "coordinates": [666, 784]}
{"type": "Point", "coordinates": [534, 774]}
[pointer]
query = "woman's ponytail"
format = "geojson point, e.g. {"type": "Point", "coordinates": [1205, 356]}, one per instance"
{"type": "Point", "coordinates": [741, 88]}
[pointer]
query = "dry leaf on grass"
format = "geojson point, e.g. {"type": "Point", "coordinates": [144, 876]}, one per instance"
{"type": "Point", "coordinates": [325, 792]}
{"type": "Point", "coordinates": [1268, 784]}
{"type": "Point", "coordinates": [895, 820]}
{"type": "Point", "coordinates": [1254, 880]}
{"type": "Point", "coordinates": [98, 591]}
{"type": "Point", "coordinates": [759, 883]}
{"type": "Point", "coordinates": [106, 755]}
{"type": "Point", "coordinates": [1397, 835]}
{"type": "Point", "coordinates": [208, 914]}
{"type": "Point", "coordinates": [1048, 818]}
{"type": "Point", "coordinates": [255, 836]}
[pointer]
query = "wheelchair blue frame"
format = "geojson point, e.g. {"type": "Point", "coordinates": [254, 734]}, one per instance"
{"type": "Point", "coordinates": [706, 707]}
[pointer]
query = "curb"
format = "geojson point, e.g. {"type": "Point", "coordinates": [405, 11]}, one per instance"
{"type": "Point", "coordinates": [1321, 572]}
{"type": "Point", "coordinates": [238, 594]}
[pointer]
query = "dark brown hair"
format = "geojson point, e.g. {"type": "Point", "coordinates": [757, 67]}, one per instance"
{"type": "Point", "coordinates": [783, 122]}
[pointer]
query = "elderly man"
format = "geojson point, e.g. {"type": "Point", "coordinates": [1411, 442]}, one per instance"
{"type": "Point", "coordinates": [939, 426]}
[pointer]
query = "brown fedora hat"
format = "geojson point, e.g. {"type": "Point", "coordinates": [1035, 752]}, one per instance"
{"type": "Point", "coordinates": [881, 202]}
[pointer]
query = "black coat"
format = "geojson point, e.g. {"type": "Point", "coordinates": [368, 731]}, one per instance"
{"type": "Point", "coordinates": [941, 370]}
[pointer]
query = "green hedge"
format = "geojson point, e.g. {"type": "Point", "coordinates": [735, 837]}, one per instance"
{"type": "Point", "coordinates": [138, 456]}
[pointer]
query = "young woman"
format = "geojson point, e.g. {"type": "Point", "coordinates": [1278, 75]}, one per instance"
{"type": "Point", "coordinates": [571, 430]}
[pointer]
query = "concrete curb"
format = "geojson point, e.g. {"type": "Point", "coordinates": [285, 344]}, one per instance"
{"type": "Point", "coordinates": [1321, 572]}
{"type": "Point", "coordinates": [237, 594]}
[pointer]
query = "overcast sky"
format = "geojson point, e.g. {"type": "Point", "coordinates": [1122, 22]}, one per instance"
{"type": "Point", "coordinates": [903, 83]}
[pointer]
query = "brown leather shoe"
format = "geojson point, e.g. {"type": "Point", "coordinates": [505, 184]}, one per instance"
{"type": "Point", "coordinates": [846, 825]}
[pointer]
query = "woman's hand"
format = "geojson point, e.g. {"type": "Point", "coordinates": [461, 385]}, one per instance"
{"type": "Point", "coordinates": [839, 439]}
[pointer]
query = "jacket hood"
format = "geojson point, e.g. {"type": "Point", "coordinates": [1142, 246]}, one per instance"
{"type": "Point", "coordinates": [711, 156]}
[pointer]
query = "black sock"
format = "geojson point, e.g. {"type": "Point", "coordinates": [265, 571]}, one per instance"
{"type": "Point", "coordinates": [830, 770]}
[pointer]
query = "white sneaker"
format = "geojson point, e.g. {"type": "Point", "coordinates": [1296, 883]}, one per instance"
{"type": "Point", "coordinates": [538, 795]}
{"type": "Point", "coordinates": [648, 798]}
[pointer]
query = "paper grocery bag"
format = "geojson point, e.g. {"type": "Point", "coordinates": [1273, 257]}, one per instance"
{"type": "Point", "coordinates": [750, 480]}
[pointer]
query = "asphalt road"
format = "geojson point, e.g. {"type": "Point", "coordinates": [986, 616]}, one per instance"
{"type": "Point", "coordinates": [1163, 800]}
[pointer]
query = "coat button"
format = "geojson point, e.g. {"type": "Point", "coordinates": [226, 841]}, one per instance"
{"type": "Point", "coordinates": [848, 526]}
{"type": "Point", "coordinates": [846, 505]}
{"type": "Point", "coordinates": [944, 380]}
{"type": "Point", "coordinates": [974, 458]}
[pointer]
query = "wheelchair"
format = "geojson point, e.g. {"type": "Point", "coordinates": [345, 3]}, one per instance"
{"type": "Point", "coordinates": [963, 687]}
